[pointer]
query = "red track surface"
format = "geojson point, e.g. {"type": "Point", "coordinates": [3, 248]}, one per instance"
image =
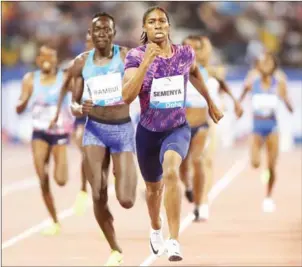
{"type": "Point", "coordinates": [238, 232]}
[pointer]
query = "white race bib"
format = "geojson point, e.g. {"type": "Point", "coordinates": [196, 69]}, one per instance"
{"type": "Point", "coordinates": [194, 98]}
{"type": "Point", "coordinates": [213, 86]}
{"type": "Point", "coordinates": [42, 116]}
{"type": "Point", "coordinates": [167, 92]}
{"type": "Point", "coordinates": [85, 95]}
{"type": "Point", "coordinates": [265, 104]}
{"type": "Point", "coordinates": [106, 90]}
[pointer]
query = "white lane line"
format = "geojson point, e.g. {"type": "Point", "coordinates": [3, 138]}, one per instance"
{"type": "Point", "coordinates": [221, 185]}
{"type": "Point", "coordinates": [39, 227]}
{"type": "Point", "coordinates": [19, 186]}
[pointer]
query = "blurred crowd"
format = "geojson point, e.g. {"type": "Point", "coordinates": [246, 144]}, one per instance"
{"type": "Point", "coordinates": [238, 30]}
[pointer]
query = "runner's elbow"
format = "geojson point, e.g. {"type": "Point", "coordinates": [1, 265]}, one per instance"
{"type": "Point", "coordinates": [126, 96]}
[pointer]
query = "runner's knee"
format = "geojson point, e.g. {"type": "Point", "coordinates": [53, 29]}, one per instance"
{"type": "Point", "coordinates": [100, 196]}
{"type": "Point", "coordinates": [197, 163]}
{"type": "Point", "coordinates": [61, 175]}
{"type": "Point", "coordinates": [126, 194]}
{"type": "Point", "coordinates": [154, 189]}
{"type": "Point", "coordinates": [125, 201]}
{"type": "Point", "coordinates": [125, 198]}
{"type": "Point", "coordinates": [255, 163]}
{"type": "Point", "coordinates": [170, 174]}
{"type": "Point", "coordinates": [42, 172]}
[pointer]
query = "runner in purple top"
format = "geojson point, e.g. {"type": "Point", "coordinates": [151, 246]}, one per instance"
{"type": "Point", "coordinates": [158, 72]}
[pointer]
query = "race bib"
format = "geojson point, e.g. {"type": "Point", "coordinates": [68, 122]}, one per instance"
{"type": "Point", "coordinates": [214, 86]}
{"type": "Point", "coordinates": [85, 95]}
{"type": "Point", "coordinates": [106, 90]}
{"type": "Point", "coordinates": [265, 104]}
{"type": "Point", "coordinates": [42, 116]}
{"type": "Point", "coordinates": [167, 92]}
{"type": "Point", "coordinates": [194, 98]}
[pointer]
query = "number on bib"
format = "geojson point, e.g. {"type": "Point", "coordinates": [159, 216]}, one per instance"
{"type": "Point", "coordinates": [265, 104]}
{"type": "Point", "coordinates": [167, 92]}
{"type": "Point", "coordinates": [106, 90]}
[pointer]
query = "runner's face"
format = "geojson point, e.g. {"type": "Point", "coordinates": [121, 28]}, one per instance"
{"type": "Point", "coordinates": [102, 32]}
{"type": "Point", "coordinates": [157, 26]}
{"type": "Point", "coordinates": [266, 65]}
{"type": "Point", "coordinates": [202, 48]}
{"type": "Point", "coordinates": [47, 59]}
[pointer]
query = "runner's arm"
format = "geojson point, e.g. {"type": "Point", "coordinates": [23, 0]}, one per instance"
{"type": "Point", "coordinates": [135, 72]}
{"type": "Point", "coordinates": [282, 88]}
{"type": "Point", "coordinates": [26, 92]}
{"type": "Point", "coordinates": [250, 77]}
{"type": "Point", "coordinates": [247, 88]}
{"type": "Point", "coordinates": [237, 106]}
{"type": "Point", "coordinates": [63, 91]}
{"type": "Point", "coordinates": [78, 87]}
{"type": "Point", "coordinates": [247, 84]}
{"type": "Point", "coordinates": [224, 87]}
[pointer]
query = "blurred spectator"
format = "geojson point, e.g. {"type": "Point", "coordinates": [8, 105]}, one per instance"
{"type": "Point", "coordinates": [238, 30]}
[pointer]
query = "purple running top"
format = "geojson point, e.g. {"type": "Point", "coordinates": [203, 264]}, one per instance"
{"type": "Point", "coordinates": [166, 110]}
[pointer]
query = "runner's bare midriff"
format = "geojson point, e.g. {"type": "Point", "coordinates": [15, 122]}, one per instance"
{"type": "Point", "coordinates": [111, 113]}
{"type": "Point", "coordinates": [196, 116]}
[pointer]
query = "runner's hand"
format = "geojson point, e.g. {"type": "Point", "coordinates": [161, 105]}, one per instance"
{"type": "Point", "coordinates": [53, 122]}
{"type": "Point", "coordinates": [152, 51]}
{"type": "Point", "coordinates": [238, 109]}
{"type": "Point", "coordinates": [215, 113]}
{"type": "Point", "coordinates": [87, 106]}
